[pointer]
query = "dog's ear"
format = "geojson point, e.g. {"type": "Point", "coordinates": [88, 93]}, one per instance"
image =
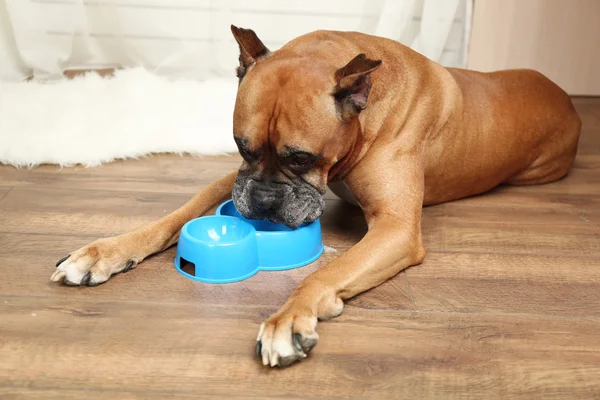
{"type": "Point", "coordinates": [353, 86]}
{"type": "Point", "coordinates": [252, 49]}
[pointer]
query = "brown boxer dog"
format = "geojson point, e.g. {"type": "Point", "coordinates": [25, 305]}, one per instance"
{"type": "Point", "coordinates": [389, 129]}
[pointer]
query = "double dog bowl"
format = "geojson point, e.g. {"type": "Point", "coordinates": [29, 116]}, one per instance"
{"type": "Point", "coordinates": [226, 247]}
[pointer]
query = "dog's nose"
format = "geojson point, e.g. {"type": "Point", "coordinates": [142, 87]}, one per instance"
{"type": "Point", "coordinates": [266, 199]}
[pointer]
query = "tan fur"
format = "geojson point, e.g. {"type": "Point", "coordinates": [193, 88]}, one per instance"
{"type": "Point", "coordinates": [428, 135]}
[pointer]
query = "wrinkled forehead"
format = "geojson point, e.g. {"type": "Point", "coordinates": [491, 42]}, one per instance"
{"type": "Point", "coordinates": [285, 107]}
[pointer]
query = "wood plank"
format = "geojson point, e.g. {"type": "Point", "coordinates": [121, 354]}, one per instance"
{"type": "Point", "coordinates": [578, 192]}
{"type": "Point", "coordinates": [446, 227]}
{"type": "Point", "coordinates": [159, 347]}
{"type": "Point", "coordinates": [103, 72]}
{"type": "Point", "coordinates": [4, 190]}
{"type": "Point", "coordinates": [588, 109]}
{"type": "Point", "coordinates": [563, 197]}
{"type": "Point", "coordinates": [461, 228]}
{"type": "Point", "coordinates": [174, 175]}
{"type": "Point", "coordinates": [27, 261]}
{"type": "Point", "coordinates": [93, 213]}
{"type": "Point", "coordinates": [506, 283]}
{"type": "Point", "coordinates": [393, 294]}
{"type": "Point", "coordinates": [77, 394]}
{"type": "Point", "coordinates": [163, 173]}
{"type": "Point", "coordinates": [106, 213]}
{"type": "Point", "coordinates": [588, 142]}
{"type": "Point", "coordinates": [157, 173]}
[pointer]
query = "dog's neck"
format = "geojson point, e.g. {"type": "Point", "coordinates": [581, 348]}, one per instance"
{"type": "Point", "coordinates": [341, 168]}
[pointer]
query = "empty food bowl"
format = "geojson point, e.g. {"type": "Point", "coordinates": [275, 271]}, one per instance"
{"type": "Point", "coordinates": [226, 247]}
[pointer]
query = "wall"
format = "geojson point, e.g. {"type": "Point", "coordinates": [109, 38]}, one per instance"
{"type": "Point", "coordinates": [560, 38]}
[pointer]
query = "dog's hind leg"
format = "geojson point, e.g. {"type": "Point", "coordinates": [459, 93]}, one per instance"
{"type": "Point", "coordinates": [556, 156]}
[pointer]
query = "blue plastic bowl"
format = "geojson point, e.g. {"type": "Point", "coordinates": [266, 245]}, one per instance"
{"type": "Point", "coordinates": [228, 248]}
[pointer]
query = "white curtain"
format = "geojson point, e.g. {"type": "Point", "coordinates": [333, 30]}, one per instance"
{"type": "Point", "coordinates": [191, 38]}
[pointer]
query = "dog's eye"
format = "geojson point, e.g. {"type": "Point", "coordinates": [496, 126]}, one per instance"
{"type": "Point", "coordinates": [247, 154]}
{"type": "Point", "coordinates": [300, 160]}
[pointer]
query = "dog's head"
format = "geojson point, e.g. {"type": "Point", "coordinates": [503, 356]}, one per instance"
{"type": "Point", "coordinates": [295, 126]}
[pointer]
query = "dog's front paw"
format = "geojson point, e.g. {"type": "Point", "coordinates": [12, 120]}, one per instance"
{"type": "Point", "coordinates": [94, 264]}
{"type": "Point", "coordinates": [286, 337]}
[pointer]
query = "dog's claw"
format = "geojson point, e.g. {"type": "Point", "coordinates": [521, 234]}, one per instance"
{"type": "Point", "coordinates": [86, 279]}
{"type": "Point", "coordinates": [62, 260]}
{"type": "Point", "coordinates": [297, 338]}
{"type": "Point", "coordinates": [304, 344]}
{"type": "Point", "coordinates": [287, 361]}
{"type": "Point", "coordinates": [130, 265]}
{"type": "Point", "coordinates": [258, 349]}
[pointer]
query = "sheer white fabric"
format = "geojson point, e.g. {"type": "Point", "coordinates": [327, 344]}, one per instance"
{"type": "Point", "coordinates": [191, 38]}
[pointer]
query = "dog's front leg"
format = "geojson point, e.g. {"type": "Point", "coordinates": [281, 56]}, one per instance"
{"type": "Point", "coordinates": [97, 262]}
{"type": "Point", "coordinates": [392, 202]}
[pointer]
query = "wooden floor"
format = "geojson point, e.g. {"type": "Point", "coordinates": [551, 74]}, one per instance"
{"type": "Point", "coordinates": [505, 306]}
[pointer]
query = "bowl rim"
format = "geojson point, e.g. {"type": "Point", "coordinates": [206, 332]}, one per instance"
{"type": "Point", "coordinates": [186, 235]}
{"type": "Point", "coordinates": [259, 232]}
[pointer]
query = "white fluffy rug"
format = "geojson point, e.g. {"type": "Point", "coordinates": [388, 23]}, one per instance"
{"type": "Point", "coordinates": [91, 120]}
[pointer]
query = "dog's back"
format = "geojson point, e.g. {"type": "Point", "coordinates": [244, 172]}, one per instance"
{"type": "Point", "coordinates": [511, 126]}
